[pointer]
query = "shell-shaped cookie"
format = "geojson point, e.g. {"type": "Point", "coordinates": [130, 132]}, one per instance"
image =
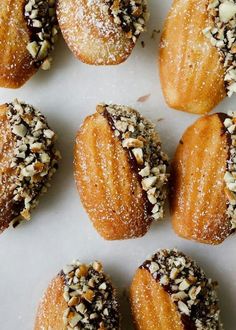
{"type": "Point", "coordinates": [80, 297]}
{"type": "Point", "coordinates": [199, 199]}
{"type": "Point", "coordinates": [28, 32]}
{"type": "Point", "coordinates": [120, 171]}
{"type": "Point", "coordinates": [191, 72]}
{"type": "Point", "coordinates": [170, 292]}
{"type": "Point", "coordinates": [28, 159]}
{"type": "Point", "coordinates": [101, 32]}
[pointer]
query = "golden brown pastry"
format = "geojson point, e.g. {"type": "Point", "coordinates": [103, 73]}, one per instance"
{"type": "Point", "coordinates": [120, 171]}
{"type": "Point", "coordinates": [28, 159]}
{"type": "Point", "coordinates": [28, 30]}
{"type": "Point", "coordinates": [102, 32]}
{"type": "Point", "coordinates": [194, 66]}
{"type": "Point", "coordinates": [80, 297]}
{"type": "Point", "coordinates": [171, 292]}
{"type": "Point", "coordinates": [203, 196]}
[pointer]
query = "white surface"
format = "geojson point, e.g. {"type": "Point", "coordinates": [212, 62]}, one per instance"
{"type": "Point", "coordinates": [60, 230]}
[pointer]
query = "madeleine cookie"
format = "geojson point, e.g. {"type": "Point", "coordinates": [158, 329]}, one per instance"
{"type": "Point", "coordinates": [28, 160]}
{"type": "Point", "coordinates": [171, 292]}
{"type": "Point", "coordinates": [120, 171]}
{"type": "Point", "coordinates": [203, 198]}
{"type": "Point", "coordinates": [28, 30]}
{"type": "Point", "coordinates": [197, 68]}
{"type": "Point", "coordinates": [102, 32]}
{"type": "Point", "coordinates": [80, 297]}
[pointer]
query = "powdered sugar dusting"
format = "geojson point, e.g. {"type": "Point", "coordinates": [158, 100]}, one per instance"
{"type": "Point", "coordinates": [95, 29]}
{"type": "Point", "coordinates": [198, 188]}
{"type": "Point", "coordinates": [191, 69]}
{"type": "Point", "coordinates": [119, 208]}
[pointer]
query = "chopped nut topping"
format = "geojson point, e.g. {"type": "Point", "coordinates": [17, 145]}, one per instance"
{"type": "Point", "coordinates": [88, 295]}
{"type": "Point", "coordinates": [195, 301]}
{"type": "Point", "coordinates": [230, 174]}
{"type": "Point", "coordinates": [132, 143]}
{"type": "Point", "coordinates": [179, 296]}
{"type": "Point", "coordinates": [35, 159]}
{"type": "Point", "coordinates": [138, 154]}
{"type": "Point", "coordinates": [41, 19]}
{"type": "Point", "coordinates": [142, 142]}
{"type": "Point", "coordinates": [153, 267]}
{"type": "Point", "coordinates": [73, 301]}
{"type": "Point", "coordinates": [184, 285]}
{"type": "Point", "coordinates": [131, 15]}
{"type": "Point", "coordinates": [222, 36]}
{"type": "Point", "coordinates": [174, 273]}
{"type": "Point", "coordinates": [91, 302]}
{"type": "Point", "coordinates": [149, 182]}
{"type": "Point", "coordinates": [183, 308]}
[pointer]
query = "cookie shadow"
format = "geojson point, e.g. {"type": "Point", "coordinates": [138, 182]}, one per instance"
{"type": "Point", "coordinates": [61, 59]}
{"type": "Point", "coordinates": [63, 179]}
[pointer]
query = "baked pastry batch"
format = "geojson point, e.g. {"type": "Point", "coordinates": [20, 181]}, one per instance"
{"type": "Point", "coordinates": [168, 291]}
{"type": "Point", "coordinates": [118, 156]}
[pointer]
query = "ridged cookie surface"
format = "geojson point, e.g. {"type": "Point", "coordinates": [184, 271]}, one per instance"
{"type": "Point", "coordinates": [198, 198]}
{"type": "Point", "coordinates": [110, 190]}
{"type": "Point", "coordinates": [151, 305]}
{"type": "Point", "coordinates": [52, 306]}
{"type": "Point", "coordinates": [15, 61]}
{"type": "Point", "coordinates": [192, 75]}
